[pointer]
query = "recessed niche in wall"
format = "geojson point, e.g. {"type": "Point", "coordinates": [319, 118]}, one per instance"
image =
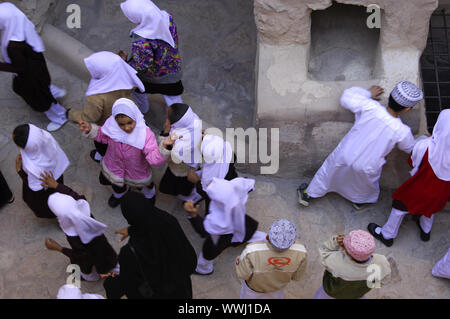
{"type": "Point", "coordinates": [343, 48]}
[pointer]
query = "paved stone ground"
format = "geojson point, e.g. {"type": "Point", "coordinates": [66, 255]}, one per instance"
{"type": "Point", "coordinates": [28, 270]}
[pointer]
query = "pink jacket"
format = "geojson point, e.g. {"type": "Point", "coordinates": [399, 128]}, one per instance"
{"type": "Point", "coordinates": [126, 164]}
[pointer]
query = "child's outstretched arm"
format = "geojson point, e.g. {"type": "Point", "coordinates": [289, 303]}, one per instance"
{"type": "Point", "coordinates": [354, 98]}
{"type": "Point", "coordinates": [151, 150]}
{"type": "Point", "coordinates": [93, 131]}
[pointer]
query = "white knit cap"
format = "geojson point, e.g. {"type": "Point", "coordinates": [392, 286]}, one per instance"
{"type": "Point", "coordinates": [282, 234]}
{"type": "Point", "coordinates": [407, 94]}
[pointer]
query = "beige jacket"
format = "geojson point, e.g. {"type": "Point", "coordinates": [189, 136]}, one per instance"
{"type": "Point", "coordinates": [340, 265]}
{"type": "Point", "coordinates": [99, 107]}
{"type": "Point", "coordinates": [266, 270]}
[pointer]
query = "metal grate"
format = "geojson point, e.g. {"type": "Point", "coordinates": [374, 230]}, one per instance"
{"type": "Point", "coordinates": [435, 65]}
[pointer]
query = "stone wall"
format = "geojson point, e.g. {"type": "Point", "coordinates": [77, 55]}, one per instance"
{"type": "Point", "coordinates": [307, 111]}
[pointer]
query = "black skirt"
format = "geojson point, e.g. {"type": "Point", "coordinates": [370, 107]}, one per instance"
{"type": "Point", "coordinates": [33, 84]}
{"type": "Point", "coordinates": [174, 185]}
{"type": "Point", "coordinates": [37, 201]}
{"type": "Point", "coordinates": [170, 89]}
{"type": "Point", "coordinates": [98, 252]}
{"type": "Point", "coordinates": [5, 192]}
{"type": "Point", "coordinates": [211, 250]}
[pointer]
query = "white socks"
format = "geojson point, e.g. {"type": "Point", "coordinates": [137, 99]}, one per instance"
{"type": "Point", "coordinates": [57, 92]}
{"type": "Point", "coordinates": [149, 192]}
{"type": "Point", "coordinates": [57, 114]}
{"type": "Point", "coordinates": [204, 266]}
{"type": "Point", "coordinates": [120, 195]}
{"type": "Point", "coordinates": [390, 229]}
{"type": "Point", "coordinates": [426, 223]}
{"type": "Point", "coordinates": [98, 157]}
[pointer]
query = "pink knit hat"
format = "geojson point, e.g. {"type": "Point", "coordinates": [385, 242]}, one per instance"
{"type": "Point", "coordinates": [360, 244]}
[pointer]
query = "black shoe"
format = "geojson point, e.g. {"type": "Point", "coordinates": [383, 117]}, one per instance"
{"type": "Point", "coordinates": [200, 274]}
{"type": "Point", "coordinates": [423, 235]}
{"type": "Point", "coordinates": [113, 202]}
{"type": "Point", "coordinates": [303, 197]}
{"type": "Point", "coordinates": [371, 228]}
{"type": "Point", "coordinates": [92, 155]}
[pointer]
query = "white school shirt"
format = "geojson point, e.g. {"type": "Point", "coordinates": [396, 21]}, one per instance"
{"type": "Point", "coordinates": [354, 168]}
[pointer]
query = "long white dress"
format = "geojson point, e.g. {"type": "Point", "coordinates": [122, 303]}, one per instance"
{"type": "Point", "coordinates": [354, 168]}
{"type": "Point", "coordinates": [442, 267]}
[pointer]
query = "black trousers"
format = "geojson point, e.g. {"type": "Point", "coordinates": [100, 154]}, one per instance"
{"type": "Point", "coordinates": [117, 189]}
{"type": "Point", "coordinates": [5, 192]}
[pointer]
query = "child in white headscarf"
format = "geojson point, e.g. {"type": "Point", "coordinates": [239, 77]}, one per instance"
{"type": "Point", "coordinates": [132, 148]}
{"type": "Point", "coordinates": [218, 162]}
{"type": "Point", "coordinates": [227, 223]}
{"type": "Point", "coordinates": [185, 156]}
{"type": "Point", "coordinates": [89, 247]}
{"type": "Point", "coordinates": [154, 52]}
{"type": "Point", "coordinates": [112, 79]}
{"type": "Point", "coordinates": [22, 50]}
{"type": "Point", "coordinates": [428, 190]}
{"type": "Point", "coordinates": [39, 152]}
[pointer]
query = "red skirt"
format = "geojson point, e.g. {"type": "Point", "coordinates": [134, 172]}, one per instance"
{"type": "Point", "coordinates": [424, 193]}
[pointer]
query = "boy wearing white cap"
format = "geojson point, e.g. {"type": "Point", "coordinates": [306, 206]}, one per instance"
{"type": "Point", "coordinates": [351, 267]}
{"type": "Point", "coordinates": [266, 267]}
{"type": "Point", "coordinates": [354, 168]}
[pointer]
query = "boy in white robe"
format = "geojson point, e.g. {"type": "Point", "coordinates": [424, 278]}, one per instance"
{"type": "Point", "coordinates": [354, 168]}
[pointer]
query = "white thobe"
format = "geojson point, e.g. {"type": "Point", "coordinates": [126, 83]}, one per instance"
{"type": "Point", "coordinates": [354, 168]}
{"type": "Point", "coordinates": [442, 267]}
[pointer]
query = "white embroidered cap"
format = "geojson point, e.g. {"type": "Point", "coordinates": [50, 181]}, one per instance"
{"type": "Point", "coordinates": [282, 234]}
{"type": "Point", "coordinates": [407, 94]}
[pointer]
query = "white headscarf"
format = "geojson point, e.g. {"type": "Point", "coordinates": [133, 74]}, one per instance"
{"type": "Point", "coordinates": [74, 217]}
{"type": "Point", "coordinates": [439, 150]}
{"type": "Point", "coordinates": [15, 26]}
{"type": "Point", "coordinates": [42, 153]}
{"type": "Point", "coordinates": [227, 207]}
{"type": "Point", "coordinates": [153, 23]}
{"type": "Point", "coordinates": [187, 149]}
{"type": "Point", "coordinates": [438, 146]}
{"type": "Point", "coordinates": [110, 73]}
{"type": "Point", "coordinates": [217, 155]}
{"type": "Point", "coordinates": [112, 129]}
{"type": "Point", "coordinates": [73, 292]}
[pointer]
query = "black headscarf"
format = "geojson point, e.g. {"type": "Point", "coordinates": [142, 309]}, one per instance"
{"type": "Point", "coordinates": [165, 254]}
{"type": "Point", "coordinates": [177, 110]}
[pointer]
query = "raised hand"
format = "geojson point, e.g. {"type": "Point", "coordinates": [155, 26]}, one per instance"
{"type": "Point", "coordinates": [85, 126]}
{"type": "Point", "coordinates": [122, 54]}
{"type": "Point", "coordinates": [190, 208]}
{"type": "Point", "coordinates": [376, 91]}
{"type": "Point", "coordinates": [171, 139]}
{"type": "Point", "coordinates": [340, 240]}
{"type": "Point", "coordinates": [48, 180]}
{"type": "Point", "coordinates": [123, 232]}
